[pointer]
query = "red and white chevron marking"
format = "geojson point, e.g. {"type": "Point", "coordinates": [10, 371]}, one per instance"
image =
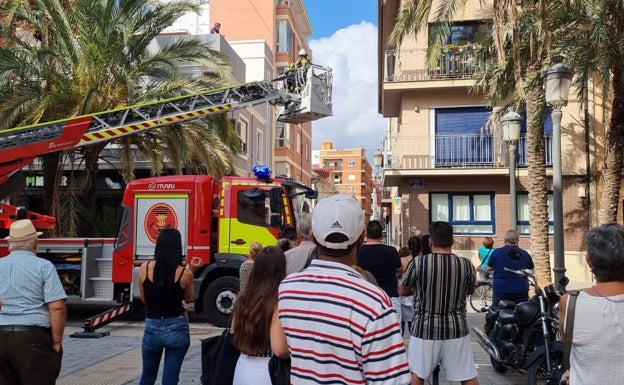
{"type": "Point", "coordinates": [105, 317]}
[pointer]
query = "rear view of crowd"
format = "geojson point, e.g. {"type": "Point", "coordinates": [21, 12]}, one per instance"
{"type": "Point", "coordinates": [334, 306]}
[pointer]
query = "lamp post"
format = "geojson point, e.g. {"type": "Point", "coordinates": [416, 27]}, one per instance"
{"type": "Point", "coordinates": [557, 81]}
{"type": "Point", "coordinates": [378, 159]}
{"type": "Point", "coordinates": [512, 122]}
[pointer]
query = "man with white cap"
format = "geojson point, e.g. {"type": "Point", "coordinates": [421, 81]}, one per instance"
{"type": "Point", "coordinates": [336, 326]}
{"type": "Point", "coordinates": [33, 315]}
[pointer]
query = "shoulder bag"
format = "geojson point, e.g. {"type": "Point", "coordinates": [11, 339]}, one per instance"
{"type": "Point", "coordinates": [569, 327]}
{"type": "Point", "coordinates": [218, 358]}
{"type": "Point", "coordinates": [279, 370]}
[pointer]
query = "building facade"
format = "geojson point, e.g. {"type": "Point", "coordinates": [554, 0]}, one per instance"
{"type": "Point", "coordinates": [444, 153]}
{"type": "Point", "coordinates": [351, 173]}
{"type": "Point", "coordinates": [283, 26]}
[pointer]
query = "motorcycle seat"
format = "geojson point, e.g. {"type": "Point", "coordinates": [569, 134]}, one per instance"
{"type": "Point", "coordinates": [506, 316]}
{"type": "Point", "coordinates": [506, 304]}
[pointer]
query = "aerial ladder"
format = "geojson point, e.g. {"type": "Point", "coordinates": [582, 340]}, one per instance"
{"type": "Point", "coordinates": [20, 146]}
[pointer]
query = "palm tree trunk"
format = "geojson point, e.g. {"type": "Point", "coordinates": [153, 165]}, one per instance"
{"type": "Point", "coordinates": [610, 179]}
{"type": "Point", "coordinates": [88, 192]}
{"type": "Point", "coordinates": [52, 173]}
{"type": "Point", "coordinates": [538, 192]}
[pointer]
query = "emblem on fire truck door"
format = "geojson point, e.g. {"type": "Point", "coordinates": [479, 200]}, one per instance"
{"type": "Point", "coordinates": [158, 217]}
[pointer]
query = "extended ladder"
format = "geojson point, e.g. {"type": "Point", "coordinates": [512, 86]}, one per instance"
{"type": "Point", "coordinates": [19, 146]}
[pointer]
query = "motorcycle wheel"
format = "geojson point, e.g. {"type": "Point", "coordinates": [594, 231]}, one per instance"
{"type": "Point", "coordinates": [537, 373]}
{"type": "Point", "coordinates": [498, 366]}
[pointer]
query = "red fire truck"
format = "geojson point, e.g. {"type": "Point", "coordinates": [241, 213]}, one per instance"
{"type": "Point", "coordinates": [218, 219]}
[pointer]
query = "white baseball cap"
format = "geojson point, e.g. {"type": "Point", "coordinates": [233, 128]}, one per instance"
{"type": "Point", "coordinates": [338, 214]}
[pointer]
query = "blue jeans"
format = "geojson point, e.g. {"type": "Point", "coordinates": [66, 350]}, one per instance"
{"type": "Point", "coordinates": [172, 335]}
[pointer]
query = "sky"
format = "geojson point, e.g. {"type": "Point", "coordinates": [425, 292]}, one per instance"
{"type": "Point", "coordinates": [344, 37]}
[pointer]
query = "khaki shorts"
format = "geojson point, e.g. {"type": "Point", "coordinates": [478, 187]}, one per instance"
{"type": "Point", "coordinates": [454, 356]}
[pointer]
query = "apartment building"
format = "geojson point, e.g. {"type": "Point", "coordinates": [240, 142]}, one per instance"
{"type": "Point", "coordinates": [351, 172]}
{"type": "Point", "coordinates": [281, 27]}
{"type": "Point", "coordinates": [444, 153]}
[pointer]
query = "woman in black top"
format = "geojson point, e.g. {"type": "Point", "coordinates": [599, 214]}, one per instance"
{"type": "Point", "coordinates": [164, 287]}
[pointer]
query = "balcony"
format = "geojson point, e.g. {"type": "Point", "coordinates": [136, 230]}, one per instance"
{"type": "Point", "coordinates": [457, 151]}
{"type": "Point", "coordinates": [410, 65]}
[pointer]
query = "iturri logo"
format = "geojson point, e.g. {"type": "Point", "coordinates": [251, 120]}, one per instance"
{"type": "Point", "coordinates": [158, 217]}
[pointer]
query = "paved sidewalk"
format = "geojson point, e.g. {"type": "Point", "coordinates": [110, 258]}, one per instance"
{"type": "Point", "coordinates": [116, 359]}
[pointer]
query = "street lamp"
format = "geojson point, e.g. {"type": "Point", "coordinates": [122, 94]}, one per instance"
{"type": "Point", "coordinates": [557, 81]}
{"type": "Point", "coordinates": [378, 158]}
{"type": "Point", "coordinates": [512, 122]}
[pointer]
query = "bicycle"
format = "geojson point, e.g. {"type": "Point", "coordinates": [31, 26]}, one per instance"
{"type": "Point", "coordinates": [481, 299]}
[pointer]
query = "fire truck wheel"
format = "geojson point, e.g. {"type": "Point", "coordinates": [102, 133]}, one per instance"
{"type": "Point", "coordinates": [219, 300]}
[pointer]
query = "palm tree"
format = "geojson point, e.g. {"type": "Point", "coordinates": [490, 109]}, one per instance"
{"type": "Point", "coordinates": [591, 34]}
{"type": "Point", "coordinates": [522, 42]}
{"type": "Point", "coordinates": [87, 56]}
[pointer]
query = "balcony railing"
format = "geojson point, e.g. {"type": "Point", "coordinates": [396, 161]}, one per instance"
{"type": "Point", "coordinates": [458, 151]}
{"type": "Point", "coordinates": [411, 65]}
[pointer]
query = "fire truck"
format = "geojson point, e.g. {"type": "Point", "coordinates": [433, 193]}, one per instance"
{"type": "Point", "coordinates": [218, 219]}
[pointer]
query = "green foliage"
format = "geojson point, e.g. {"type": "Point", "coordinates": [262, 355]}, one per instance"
{"type": "Point", "coordinates": [84, 56]}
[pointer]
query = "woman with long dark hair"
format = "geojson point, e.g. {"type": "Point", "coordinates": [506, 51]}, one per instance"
{"type": "Point", "coordinates": [164, 286]}
{"type": "Point", "coordinates": [252, 317]}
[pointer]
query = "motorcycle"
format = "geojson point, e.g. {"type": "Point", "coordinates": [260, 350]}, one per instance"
{"type": "Point", "coordinates": [525, 337]}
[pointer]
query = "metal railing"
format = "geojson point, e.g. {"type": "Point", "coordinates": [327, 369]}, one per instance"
{"type": "Point", "coordinates": [457, 151]}
{"type": "Point", "coordinates": [411, 65]}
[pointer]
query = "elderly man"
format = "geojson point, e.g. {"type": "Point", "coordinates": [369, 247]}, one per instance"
{"type": "Point", "coordinates": [298, 257]}
{"type": "Point", "coordinates": [33, 314]}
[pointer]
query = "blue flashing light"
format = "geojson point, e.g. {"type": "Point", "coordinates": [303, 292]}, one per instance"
{"type": "Point", "coordinates": [262, 172]}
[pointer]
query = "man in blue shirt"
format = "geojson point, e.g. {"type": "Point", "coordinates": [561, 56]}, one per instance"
{"type": "Point", "coordinates": [505, 284]}
{"type": "Point", "coordinates": [33, 314]}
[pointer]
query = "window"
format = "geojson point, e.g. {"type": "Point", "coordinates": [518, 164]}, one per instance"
{"type": "Point", "coordinates": [468, 32]}
{"type": "Point", "coordinates": [261, 208]}
{"type": "Point", "coordinates": [459, 140]}
{"type": "Point", "coordinates": [260, 143]}
{"type": "Point", "coordinates": [284, 134]}
{"type": "Point", "coordinates": [253, 209]}
{"type": "Point", "coordinates": [468, 213]}
{"type": "Point", "coordinates": [462, 33]}
{"type": "Point", "coordinates": [351, 177]}
{"type": "Point", "coordinates": [524, 226]}
{"type": "Point", "coordinates": [282, 169]}
{"type": "Point", "coordinates": [242, 127]}
{"type": "Point", "coordinates": [284, 39]}
{"type": "Point", "coordinates": [351, 163]}
{"type": "Point", "coordinates": [298, 143]}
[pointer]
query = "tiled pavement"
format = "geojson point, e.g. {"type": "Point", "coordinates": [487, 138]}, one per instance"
{"type": "Point", "coordinates": [116, 359]}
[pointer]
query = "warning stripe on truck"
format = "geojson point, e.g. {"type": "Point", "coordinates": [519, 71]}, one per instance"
{"type": "Point", "coordinates": [111, 133]}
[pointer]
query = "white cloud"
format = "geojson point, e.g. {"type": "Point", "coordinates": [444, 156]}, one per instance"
{"type": "Point", "coordinates": [351, 52]}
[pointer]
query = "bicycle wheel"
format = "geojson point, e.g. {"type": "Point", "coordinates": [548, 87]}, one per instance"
{"type": "Point", "coordinates": [481, 299]}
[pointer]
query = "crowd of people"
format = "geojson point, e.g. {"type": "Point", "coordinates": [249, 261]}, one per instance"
{"type": "Point", "coordinates": [336, 302]}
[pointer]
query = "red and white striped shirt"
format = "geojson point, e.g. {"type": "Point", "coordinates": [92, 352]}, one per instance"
{"type": "Point", "coordinates": [340, 328]}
